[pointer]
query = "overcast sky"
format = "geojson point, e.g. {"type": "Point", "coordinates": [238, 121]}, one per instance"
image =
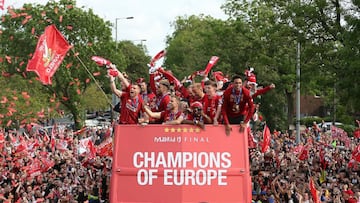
{"type": "Point", "coordinates": [152, 18]}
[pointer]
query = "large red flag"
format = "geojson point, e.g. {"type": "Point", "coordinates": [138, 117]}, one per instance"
{"type": "Point", "coordinates": [49, 53]}
{"type": "Point", "coordinates": [313, 191]}
{"type": "Point", "coordinates": [266, 141]}
{"type": "Point", "coordinates": [2, 2]}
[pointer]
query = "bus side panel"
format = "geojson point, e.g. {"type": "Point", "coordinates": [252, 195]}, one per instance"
{"type": "Point", "coordinates": [162, 163]}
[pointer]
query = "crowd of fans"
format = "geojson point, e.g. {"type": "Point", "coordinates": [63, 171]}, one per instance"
{"type": "Point", "coordinates": [55, 166]}
{"type": "Point", "coordinates": [283, 173]}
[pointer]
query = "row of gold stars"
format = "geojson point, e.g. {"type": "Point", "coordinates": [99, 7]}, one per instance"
{"type": "Point", "coordinates": [179, 130]}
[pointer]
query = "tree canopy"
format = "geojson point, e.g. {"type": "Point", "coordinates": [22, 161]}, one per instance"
{"type": "Point", "coordinates": [88, 34]}
{"type": "Point", "coordinates": [264, 35]}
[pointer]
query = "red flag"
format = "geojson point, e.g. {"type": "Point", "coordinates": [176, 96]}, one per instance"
{"type": "Point", "coordinates": [313, 191]}
{"type": "Point", "coordinates": [47, 164]}
{"type": "Point", "coordinates": [356, 153]}
{"type": "Point", "coordinates": [251, 141]}
{"type": "Point", "coordinates": [49, 53]}
{"type": "Point", "coordinates": [172, 79]}
{"type": "Point", "coordinates": [266, 140]}
{"type": "Point", "coordinates": [61, 145]}
{"type": "Point", "coordinates": [2, 2]}
{"type": "Point", "coordinates": [105, 148]}
{"type": "Point", "coordinates": [357, 133]}
{"type": "Point", "coordinates": [156, 58]}
{"type": "Point", "coordinates": [79, 132]}
{"type": "Point", "coordinates": [298, 149]}
{"type": "Point", "coordinates": [34, 169]}
{"type": "Point", "coordinates": [219, 76]}
{"type": "Point", "coordinates": [100, 61]}
{"type": "Point", "coordinates": [211, 63]}
{"type": "Point", "coordinates": [92, 150]}
{"type": "Point", "coordinates": [304, 153]}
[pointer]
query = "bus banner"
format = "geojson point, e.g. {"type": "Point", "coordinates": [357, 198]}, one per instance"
{"type": "Point", "coordinates": [163, 163]}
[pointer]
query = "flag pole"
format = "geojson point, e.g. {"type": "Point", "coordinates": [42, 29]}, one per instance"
{"type": "Point", "coordinates": [93, 78]}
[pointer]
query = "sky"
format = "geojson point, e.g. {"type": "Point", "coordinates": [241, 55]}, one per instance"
{"type": "Point", "coordinates": [152, 18]}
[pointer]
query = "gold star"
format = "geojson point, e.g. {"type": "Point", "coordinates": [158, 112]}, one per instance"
{"type": "Point", "coordinates": [185, 130]}
{"type": "Point", "coordinates": [166, 130]}
{"type": "Point", "coordinates": [172, 130]}
{"type": "Point", "coordinates": [197, 130]}
{"type": "Point", "coordinates": [191, 130]}
{"type": "Point", "coordinates": [178, 130]}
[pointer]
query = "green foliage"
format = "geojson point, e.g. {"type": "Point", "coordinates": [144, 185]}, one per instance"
{"type": "Point", "coordinates": [264, 35]}
{"type": "Point", "coordinates": [193, 43]}
{"type": "Point", "coordinates": [349, 129]}
{"type": "Point", "coordinates": [94, 99]}
{"type": "Point", "coordinates": [21, 102]}
{"type": "Point", "coordinates": [88, 34]}
{"type": "Point", "coordinates": [308, 121]}
{"type": "Point", "coordinates": [135, 60]}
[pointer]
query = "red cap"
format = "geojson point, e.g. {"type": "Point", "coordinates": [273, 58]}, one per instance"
{"type": "Point", "coordinates": [196, 105]}
{"type": "Point", "coordinates": [252, 79]}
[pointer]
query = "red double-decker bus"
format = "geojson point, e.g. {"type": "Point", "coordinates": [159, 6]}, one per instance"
{"type": "Point", "coordinates": [182, 163]}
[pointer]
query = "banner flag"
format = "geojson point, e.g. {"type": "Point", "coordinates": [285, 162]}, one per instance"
{"type": "Point", "coordinates": [266, 140]}
{"type": "Point", "coordinates": [213, 60]}
{"type": "Point", "coordinates": [313, 191]}
{"type": "Point", "coordinates": [49, 53]}
{"type": "Point", "coordinates": [157, 57]}
{"type": "Point", "coordinates": [304, 154]}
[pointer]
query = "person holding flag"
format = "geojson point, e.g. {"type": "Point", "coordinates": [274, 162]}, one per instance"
{"type": "Point", "coordinates": [131, 102]}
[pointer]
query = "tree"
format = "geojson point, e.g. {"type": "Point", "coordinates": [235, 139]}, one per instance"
{"type": "Point", "coordinates": [135, 59]}
{"type": "Point", "coordinates": [89, 34]}
{"type": "Point", "coordinates": [21, 102]}
{"type": "Point", "coordinates": [194, 41]}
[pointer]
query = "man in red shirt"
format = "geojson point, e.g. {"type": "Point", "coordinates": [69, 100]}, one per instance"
{"type": "Point", "coordinates": [145, 92]}
{"type": "Point", "coordinates": [198, 93]}
{"type": "Point", "coordinates": [212, 102]}
{"type": "Point", "coordinates": [172, 115]}
{"type": "Point", "coordinates": [163, 95]}
{"type": "Point", "coordinates": [235, 100]}
{"type": "Point", "coordinates": [196, 115]}
{"type": "Point", "coordinates": [131, 102]}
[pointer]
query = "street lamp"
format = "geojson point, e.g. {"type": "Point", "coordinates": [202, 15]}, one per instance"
{"type": "Point", "coordinates": [116, 26]}
{"type": "Point", "coordinates": [114, 98]}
